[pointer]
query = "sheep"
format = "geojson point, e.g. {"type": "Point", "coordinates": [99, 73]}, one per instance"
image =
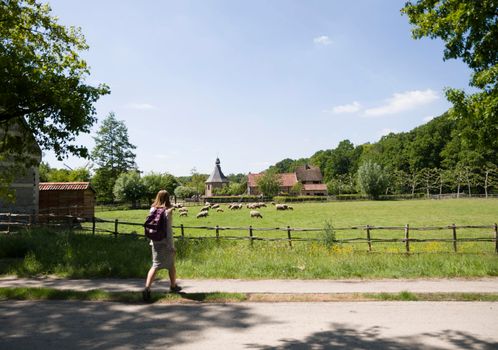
{"type": "Point", "coordinates": [281, 206]}
{"type": "Point", "coordinates": [183, 213]}
{"type": "Point", "coordinates": [261, 205]}
{"type": "Point", "coordinates": [219, 210]}
{"type": "Point", "coordinates": [205, 208]}
{"type": "Point", "coordinates": [236, 206]}
{"type": "Point", "coordinates": [183, 209]}
{"type": "Point", "coordinates": [256, 214]}
{"type": "Point", "coordinates": [202, 214]}
{"type": "Point", "coordinates": [215, 206]}
{"type": "Point", "coordinates": [290, 208]}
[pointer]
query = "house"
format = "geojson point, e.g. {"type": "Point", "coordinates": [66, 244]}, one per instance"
{"type": "Point", "coordinates": [19, 184]}
{"type": "Point", "coordinates": [310, 178]}
{"type": "Point", "coordinates": [215, 180]}
{"type": "Point", "coordinates": [67, 198]}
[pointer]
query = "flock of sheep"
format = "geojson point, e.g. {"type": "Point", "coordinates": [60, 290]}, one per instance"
{"type": "Point", "coordinates": [204, 212]}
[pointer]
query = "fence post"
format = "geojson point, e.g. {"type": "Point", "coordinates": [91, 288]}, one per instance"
{"type": "Point", "coordinates": [116, 228]}
{"type": "Point", "coordinates": [369, 240]}
{"type": "Point", "coordinates": [496, 238]}
{"type": "Point", "coordinates": [289, 236]}
{"type": "Point", "coordinates": [182, 230]}
{"type": "Point", "coordinates": [93, 225]}
{"type": "Point", "coordinates": [407, 238]}
{"type": "Point", "coordinates": [250, 234]}
{"type": "Point", "coordinates": [453, 227]}
{"type": "Point", "coordinates": [217, 232]}
{"type": "Point", "coordinates": [8, 223]}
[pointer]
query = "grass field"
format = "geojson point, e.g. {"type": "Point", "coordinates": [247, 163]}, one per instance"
{"type": "Point", "coordinates": [416, 213]}
{"type": "Point", "coordinates": [82, 255]}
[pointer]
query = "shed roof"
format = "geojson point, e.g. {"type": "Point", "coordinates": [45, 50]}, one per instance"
{"type": "Point", "coordinates": [315, 187]}
{"type": "Point", "coordinates": [286, 179]}
{"type": "Point", "coordinates": [65, 186]}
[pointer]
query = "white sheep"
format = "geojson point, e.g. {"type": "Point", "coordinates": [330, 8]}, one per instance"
{"type": "Point", "coordinates": [183, 213]}
{"type": "Point", "coordinates": [215, 206]}
{"type": "Point", "coordinates": [256, 214]}
{"type": "Point", "coordinates": [219, 210]}
{"type": "Point", "coordinates": [281, 206]}
{"type": "Point", "coordinates": [202, 214]}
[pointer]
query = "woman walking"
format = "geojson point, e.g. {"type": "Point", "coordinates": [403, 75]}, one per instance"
{"type": "Point", "coordinates": [163, 251]}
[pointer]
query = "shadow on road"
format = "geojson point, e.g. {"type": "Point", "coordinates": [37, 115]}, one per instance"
{"type": "Point", "coordinates": [344, 337]}
{"type": "Point", "coordinates": [76, 325]}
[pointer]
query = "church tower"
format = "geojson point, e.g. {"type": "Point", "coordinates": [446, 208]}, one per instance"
{"type": "Point", "coordinates": [216, 180]}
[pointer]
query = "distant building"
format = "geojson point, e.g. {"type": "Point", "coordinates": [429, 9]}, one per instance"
{"type": "Point", "coordinates": [216, 180]}
{"type": "Point", "coordinates": [309, 176]}
{"type": "Point", "coordinates": [25, 181]}
{"type": "Point", "coordinates": [67, 198]}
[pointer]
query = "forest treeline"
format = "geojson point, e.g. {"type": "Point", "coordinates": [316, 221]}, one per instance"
{"type": "Point", "coordinates": [432, 158]}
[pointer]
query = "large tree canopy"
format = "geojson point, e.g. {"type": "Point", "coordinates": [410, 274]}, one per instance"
{"type": "Point", "coordinates": [42, 77]}
{"type": "Point", "coordinates": [470, 31]}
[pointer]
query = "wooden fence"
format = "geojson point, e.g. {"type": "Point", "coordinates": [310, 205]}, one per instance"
{"type": "Point", "coordinates": [13, 221]}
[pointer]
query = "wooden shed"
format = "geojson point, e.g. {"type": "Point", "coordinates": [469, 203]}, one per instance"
{"type": "Point", "coordinates": [67, 198]}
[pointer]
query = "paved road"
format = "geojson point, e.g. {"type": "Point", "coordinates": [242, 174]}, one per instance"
{"type": "Point", "coordinates": [360, 325]}
{"type": "Point", "coordinates": [481, 285]}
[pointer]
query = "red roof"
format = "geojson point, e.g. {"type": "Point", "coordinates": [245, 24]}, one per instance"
{"type": "Point", "coordinates": [64, 186]}
{"type": "Point", "coordinates": [286, 179]}
{"type": "Point", "coordinates": [315, 187]}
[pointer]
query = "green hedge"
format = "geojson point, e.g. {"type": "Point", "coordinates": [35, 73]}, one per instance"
{"type": "Point", "coordinates": [281, 199]}
{"type": "Point", "coordinates": [230, 199]}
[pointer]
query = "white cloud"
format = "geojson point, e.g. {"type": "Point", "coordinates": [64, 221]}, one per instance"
{"type": "Point", "coordinates": [349, 108]}
{"type": "Point", "coordinates": [428, 118]}
{"type": "Point", "coordinates": [403, 101]}
{"type": "Point", "coordinates": [322, 40]}
{"type": "Point", "coordinates": [141, 106]}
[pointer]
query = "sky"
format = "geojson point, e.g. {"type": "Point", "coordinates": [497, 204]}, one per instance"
{"type": "Point", "coordinates": [255, 82]}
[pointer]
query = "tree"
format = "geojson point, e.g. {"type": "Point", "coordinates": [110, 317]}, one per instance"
{"type": "Point", "coordinates": [269, 183]}
{"type": "Point", "coordinates": [43, 78]}
{"type": "Point", "coordinates": [469, 30]}
{"type": "Point", "coordinates": [129, 187]}
{"type": "Point", "coordinates": [372, 180]}
{"type": "Point", "coordinates": [197, 181]}
{"type": "Point", "coordinates": [154, 182]}
{"type": "Point", "coordinates": [112, 153]}
{"type": "Point", "coordinates": [48, 174]}
{"type": "Point", "coordinates": [184, 192]}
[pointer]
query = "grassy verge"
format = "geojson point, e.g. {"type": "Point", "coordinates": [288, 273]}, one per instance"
{"type": "Point", "coordinates": [217, 297]}
{"type": "Point", "coordinates": [66, 254]}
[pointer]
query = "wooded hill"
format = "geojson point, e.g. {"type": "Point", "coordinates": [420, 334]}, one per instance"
{"type": "Point", "coordinates": [430, 158]}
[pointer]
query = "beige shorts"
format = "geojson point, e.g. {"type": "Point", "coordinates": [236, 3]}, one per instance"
{"type": "Point", "coordinates": [163, 256]}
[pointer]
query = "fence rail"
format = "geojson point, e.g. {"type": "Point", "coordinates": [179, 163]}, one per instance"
{"type": "Point", "coordinates": [12, 222]}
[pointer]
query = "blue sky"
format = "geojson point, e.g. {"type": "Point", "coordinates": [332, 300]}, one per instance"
{"type": "Point", "coordinates": [254, 82]}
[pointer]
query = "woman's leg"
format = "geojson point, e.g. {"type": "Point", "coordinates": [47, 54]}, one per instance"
{"type": "Point", "coordinates": [172, 276]}
{"type": "Point", "coordinates": [150, 277]}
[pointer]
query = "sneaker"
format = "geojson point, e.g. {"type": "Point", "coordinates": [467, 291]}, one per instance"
{"type": "Point", "coordinates": [146, 295]}
{"type": "Point", "coordinates": [175, 289]}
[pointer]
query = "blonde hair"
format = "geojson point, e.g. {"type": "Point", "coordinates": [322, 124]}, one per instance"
{"type": "Point", "coordinates": [162, 200]}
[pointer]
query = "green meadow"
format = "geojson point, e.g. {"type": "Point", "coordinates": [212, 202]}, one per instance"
{"type": "Point", "coordinates": [79, 254]}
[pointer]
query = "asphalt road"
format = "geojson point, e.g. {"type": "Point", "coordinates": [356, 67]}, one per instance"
{"type": "Point", "coordinates": [355, 325]}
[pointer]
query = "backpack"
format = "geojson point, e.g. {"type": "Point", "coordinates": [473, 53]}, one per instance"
{"type": "Point", "coordinates": [155, 224]}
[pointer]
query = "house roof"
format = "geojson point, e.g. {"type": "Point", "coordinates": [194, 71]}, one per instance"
{"type": "Point", "coordinates": [64, 186]}
{"type": "Point", "coordinates": [315, 187]}
{"type": "Point", "coordinates": [217, 175]}
{"type": "Point", "coordinates": [286, 179]}
{"type": "Point", "coordinates": [309, 173]}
